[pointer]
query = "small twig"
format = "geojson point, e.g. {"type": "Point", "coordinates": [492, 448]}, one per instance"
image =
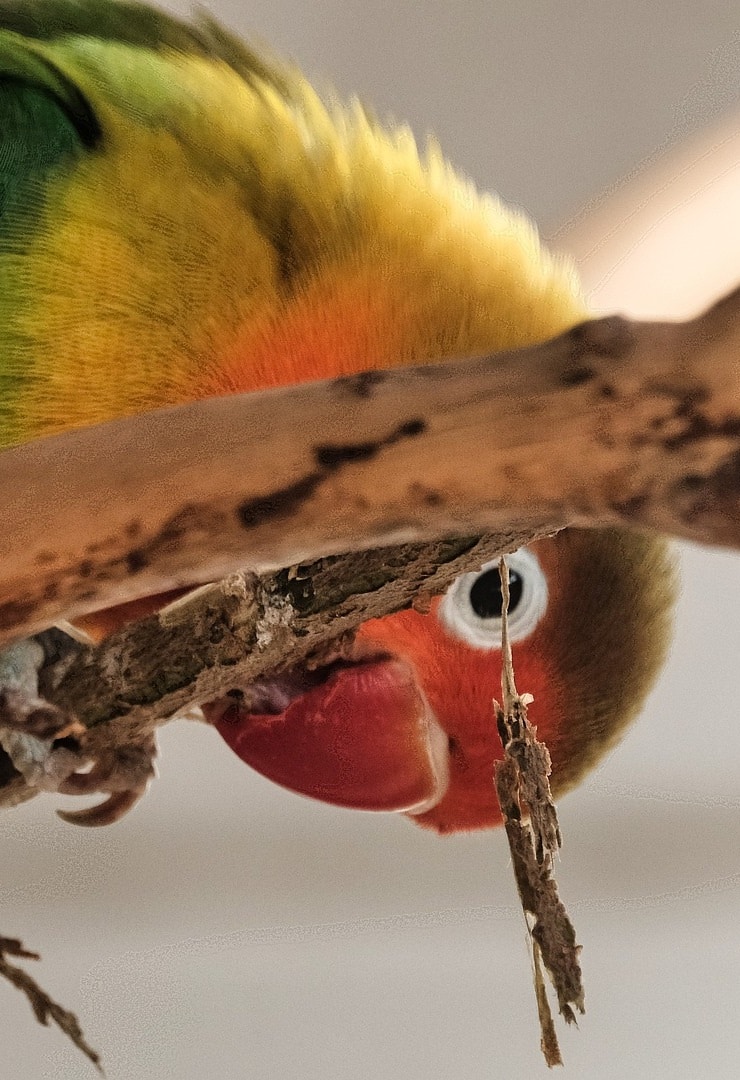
{"type": "Point", "coordinates": [44, 1007]}
{"type": "Point", "coordinates": [523, 777]}
{"type": "Point", "coordinates": [548, 1036]}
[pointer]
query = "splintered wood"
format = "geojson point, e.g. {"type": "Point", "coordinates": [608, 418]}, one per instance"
{"type": "Point", "coordinates": [523, 786]}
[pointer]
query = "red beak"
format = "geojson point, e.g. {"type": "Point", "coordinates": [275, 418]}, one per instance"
{"type": "Point", "coordinates": [365, 738]}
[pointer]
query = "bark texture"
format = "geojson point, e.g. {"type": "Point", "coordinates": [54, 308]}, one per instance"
{"type": "Point", "coordinates": [615, 422]}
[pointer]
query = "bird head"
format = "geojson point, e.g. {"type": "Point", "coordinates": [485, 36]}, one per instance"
{"type": "Point", "coordinates": [405, 721]}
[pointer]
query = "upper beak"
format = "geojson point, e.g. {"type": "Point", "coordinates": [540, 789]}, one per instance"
{"type": "Point", "coordinates": [365, 738]}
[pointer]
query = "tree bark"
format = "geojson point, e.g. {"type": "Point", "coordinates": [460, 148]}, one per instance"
{"type": "Point", "coordinates": [615, 422]}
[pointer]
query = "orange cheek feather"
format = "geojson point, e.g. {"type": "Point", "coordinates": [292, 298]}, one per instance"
{"type": "Point", "coordinates": [335, 328]}
{"type": "Point", "coordinates": [99, 624]}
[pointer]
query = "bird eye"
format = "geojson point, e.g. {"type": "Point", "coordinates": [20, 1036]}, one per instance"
{"type": "Point", "coordinates": [471, 607]}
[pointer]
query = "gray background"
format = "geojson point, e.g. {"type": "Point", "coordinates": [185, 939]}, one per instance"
{"type": "Point", "coordinates": [228, 929]}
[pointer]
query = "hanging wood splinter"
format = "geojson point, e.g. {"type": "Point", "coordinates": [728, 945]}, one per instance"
{"type": "Point", "coordinates": [523, 789]}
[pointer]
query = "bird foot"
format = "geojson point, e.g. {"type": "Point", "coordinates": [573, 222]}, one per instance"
{"type": "Point", "coordinates": [123, 772]}
{"type": "Point", "coordinates": [49, 748]}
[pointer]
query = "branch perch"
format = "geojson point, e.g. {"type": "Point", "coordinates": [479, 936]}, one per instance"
{"type": "Point", "coordinates": [615, 422]}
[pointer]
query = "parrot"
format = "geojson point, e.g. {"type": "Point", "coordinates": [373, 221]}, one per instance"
{"type": "Point", "coordinates": [184, 216]}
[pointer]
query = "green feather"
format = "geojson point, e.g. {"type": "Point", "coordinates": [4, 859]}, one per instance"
{"type": "Point", "coordinates": [125, 23]}
{"type": "Point", "coordinates": [141, 27]}
{"type": "Point", "coordinates": [45, 124]}
{"type": "Point", "coordinates": [36, 135]}
{"type": "Point", "coordinates": [21, 68]}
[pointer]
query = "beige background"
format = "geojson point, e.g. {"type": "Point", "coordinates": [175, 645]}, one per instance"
{"type": "Point", "coordinates": [228, 929]}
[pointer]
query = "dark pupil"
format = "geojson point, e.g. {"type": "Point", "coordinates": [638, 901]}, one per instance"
{"type": "Point", "coordinates": [485, 594]}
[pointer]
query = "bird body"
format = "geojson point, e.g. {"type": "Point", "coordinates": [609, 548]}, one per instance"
{"type": "Point", "coordinates": [182, 218]}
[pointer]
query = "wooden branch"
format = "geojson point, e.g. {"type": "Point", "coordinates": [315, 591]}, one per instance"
{"type": "Point", "coordinates": [614, 422]}
{"type": "Point", "coordinates": [246, 627]}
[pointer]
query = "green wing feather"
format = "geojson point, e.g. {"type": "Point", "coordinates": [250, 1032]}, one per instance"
{"type": "Point", "coordinates": [46, 123]}
{"type": "Point", "coordinates": [139, 26]}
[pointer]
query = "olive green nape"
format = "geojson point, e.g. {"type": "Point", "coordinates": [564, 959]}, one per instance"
{"type": "Point", "coordinates": [45, 121]}
{"type": "Point", "coordinates": [139, 26]}
{"type": "Point", "coordinates": [612, 638]}
{"type": "Point", "coordinates": [127, 23]}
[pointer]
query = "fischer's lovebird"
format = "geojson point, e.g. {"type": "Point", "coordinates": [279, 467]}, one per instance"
{"type": "Point", "coordinates": [182, 217]}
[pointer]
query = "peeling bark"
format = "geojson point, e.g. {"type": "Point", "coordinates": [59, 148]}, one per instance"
{"type": "Point", "coordinates": [225, 635]}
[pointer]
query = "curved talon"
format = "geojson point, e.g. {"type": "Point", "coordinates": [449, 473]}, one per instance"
{"type": "Point", "coordinates": [79, 783]}
{"type": "Point", "coordinates": [104, 813]}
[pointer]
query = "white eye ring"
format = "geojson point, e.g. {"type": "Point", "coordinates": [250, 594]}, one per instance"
{"type": "Point", "coordinates": [465, 618]}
